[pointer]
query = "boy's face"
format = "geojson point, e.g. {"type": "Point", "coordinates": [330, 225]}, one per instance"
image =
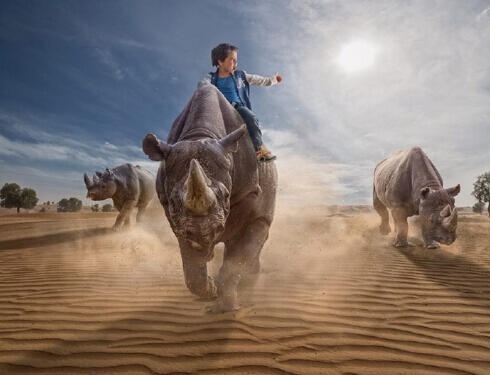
{"type": "Point", "coordinates": [229, 64]}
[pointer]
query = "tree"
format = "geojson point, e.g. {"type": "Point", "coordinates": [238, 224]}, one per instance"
{"type": "Point", "coordinates": [481, 189]}
{"type": "Point", "coordinates": [69, 205]}
{"type": "Point", "coordinates": [95, 208]}
{"type": "Point", "coordinates": [28, 198]}
{"type": "Point", "coordinates": [11, 195]}
{"type": "Point", "coordinates": [107, 208]}
{"type": "Point", "coordinates": [478, 207]}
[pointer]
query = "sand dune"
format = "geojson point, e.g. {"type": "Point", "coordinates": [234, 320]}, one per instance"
{"type": "Point", "coordinates": [333, 297]}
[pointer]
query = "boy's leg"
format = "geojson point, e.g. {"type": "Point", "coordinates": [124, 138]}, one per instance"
{"type": "Point", "coordinates": [252, 125]}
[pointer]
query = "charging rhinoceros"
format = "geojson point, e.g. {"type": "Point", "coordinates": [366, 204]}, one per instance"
{"type": "Point", "coordinates": [129, 187]}
{"type": "Point", "coordinates": [409, 184]}
{"type": "Point", "coordinates": [213, 190]}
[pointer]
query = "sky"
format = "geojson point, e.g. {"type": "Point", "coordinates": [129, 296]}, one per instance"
{"type": "Point", "coordinates": [82, 82]}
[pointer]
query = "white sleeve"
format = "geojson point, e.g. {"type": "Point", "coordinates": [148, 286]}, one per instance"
{"type": "Point", "coordinates": [205, 81]}
{"type": "Point", "coordinates": [255, 79]}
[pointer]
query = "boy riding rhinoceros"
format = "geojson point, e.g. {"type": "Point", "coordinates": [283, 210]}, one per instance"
{"type": "Point", "coordinates": [213, 190]}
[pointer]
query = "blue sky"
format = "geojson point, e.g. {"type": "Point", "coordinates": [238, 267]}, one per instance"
{"type": "Point", "coordinates": [81, 83]}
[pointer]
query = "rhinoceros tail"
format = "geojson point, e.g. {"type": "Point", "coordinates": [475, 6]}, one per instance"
{"type": "Point", "coordinates": [154, 148]}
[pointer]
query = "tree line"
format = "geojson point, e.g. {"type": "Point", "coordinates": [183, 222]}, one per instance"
{"type": "Point", "coordinates": [13, 196]}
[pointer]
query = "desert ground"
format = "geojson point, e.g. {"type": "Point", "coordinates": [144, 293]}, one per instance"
{"type": "Point", "coordinates": [333, 297]}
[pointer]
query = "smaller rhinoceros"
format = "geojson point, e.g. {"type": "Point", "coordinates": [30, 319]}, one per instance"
{"type": "Point", "coordinates": [409, 184]}
{"type": "Point", "coordinates": [129, 186]}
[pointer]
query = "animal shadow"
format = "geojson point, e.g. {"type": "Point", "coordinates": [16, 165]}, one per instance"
{"type": "Point", "coordinates": [52, 239]}
{"type": "Point", "coordinates": [455, 272]}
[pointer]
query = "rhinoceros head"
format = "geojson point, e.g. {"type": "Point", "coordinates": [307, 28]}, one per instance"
{"type": "Point", "coordinates": [102, 186]}
{"type": "Point", "coordinates": [438, 215]}
{"type": "Point", "coordinates": [197, 186]}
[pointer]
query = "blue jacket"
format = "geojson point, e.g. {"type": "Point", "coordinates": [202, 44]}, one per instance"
{"type": "Point", "coordinates": [241, 85]}
{"type": "Point", "coordinates": [242, 81]}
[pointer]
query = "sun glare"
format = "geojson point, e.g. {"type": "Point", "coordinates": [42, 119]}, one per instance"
{"type": "Point", "coordinates": [357, 55]}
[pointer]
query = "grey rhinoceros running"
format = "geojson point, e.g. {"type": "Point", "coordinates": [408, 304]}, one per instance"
{"type": "Point", "coordinates": [129, 186]}
{"type": "Point", "coordinates": [409, 184]}
{"type": "Point", "coordinates": [213, 190]}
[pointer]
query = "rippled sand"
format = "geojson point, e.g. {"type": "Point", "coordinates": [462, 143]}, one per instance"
{"type": "Point", "coordinates": [333, 297]}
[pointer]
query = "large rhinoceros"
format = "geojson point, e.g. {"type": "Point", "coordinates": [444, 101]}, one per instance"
{"type": "Point", "coordinates": [129, 187]}
{"type": "Point", "coordinates": [213, 190]}
{"type": "Point", "coordinates": [409, 184]}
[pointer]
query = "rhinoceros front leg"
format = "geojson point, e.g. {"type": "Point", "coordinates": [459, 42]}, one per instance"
{"type": "Point", "coordinates": [196, 272]}
{"type": "Point", "coordinates": [241, 256]}
{"type": "Point", "coordinates": [124, 216]}
{"type": "Point", "coordinates": [401, 227]}
{"type": "Point", "coordinates": [140, 213]}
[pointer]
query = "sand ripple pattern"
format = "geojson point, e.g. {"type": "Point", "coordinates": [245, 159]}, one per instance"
{"type": "Point", "coordinates": [333, 298]}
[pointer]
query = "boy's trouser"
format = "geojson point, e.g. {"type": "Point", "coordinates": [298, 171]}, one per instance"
{"type": "Point", "coordinates": [252, 124]}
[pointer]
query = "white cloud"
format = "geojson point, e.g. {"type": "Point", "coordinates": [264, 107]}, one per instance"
{"type": "Point", "coordinates": [107, 58]}
{"type": "Point", "coordinates": [40, 145]}
{"type": "Point", "coordinates": [429, 85]}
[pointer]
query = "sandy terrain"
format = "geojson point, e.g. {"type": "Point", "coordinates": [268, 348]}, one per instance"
{"type": "Point", "coordinates": [333, 298]}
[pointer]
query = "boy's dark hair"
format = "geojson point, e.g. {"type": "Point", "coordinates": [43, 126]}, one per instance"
{"type": "Point", "coordinates": [221, 52]}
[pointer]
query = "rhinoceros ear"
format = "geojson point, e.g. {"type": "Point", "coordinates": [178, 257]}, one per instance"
{"type": "Point", "coordinates": [425, 192]}
{"type": "Point", "coordinates": [109, 174]}
{"type": "Point", "coordinates": [154, 148]}
{"type": "Point", "coordinates": [454, 190]}
{"type": "Point", "coordinates": [230, 142]}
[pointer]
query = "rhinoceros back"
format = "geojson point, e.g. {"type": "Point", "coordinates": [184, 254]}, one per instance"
{"type": "Point", "coordinates": [134, 183]}
{"type": "Point", "coordinates": [209, 115]}
{"type": "Point", "coordinates": [399, 178]}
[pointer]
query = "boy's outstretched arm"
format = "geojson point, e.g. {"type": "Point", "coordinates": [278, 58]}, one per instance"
{"type": "Point", "coordinates": [255, 79]}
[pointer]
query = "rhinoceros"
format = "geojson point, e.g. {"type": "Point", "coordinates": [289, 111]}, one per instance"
{"type": "Point", "coordinates": [129, 186]}
{"type": "Point", "coordinates": [409, 184]}
{"type": "Point", "coordinates": [213, 190]}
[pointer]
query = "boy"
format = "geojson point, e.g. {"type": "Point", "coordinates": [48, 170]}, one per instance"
{"type": "Point", "coordinates": [234, 85]}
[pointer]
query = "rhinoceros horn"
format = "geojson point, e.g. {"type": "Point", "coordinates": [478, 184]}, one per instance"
{"type": "Point", "coordinates": [446, 211]}
{"type": "Point", "coordinates": [198, 196]}
{"type": "Point", "coordinates": [87, 180]}
{"type": "Point", "coordinates": [450, 222]}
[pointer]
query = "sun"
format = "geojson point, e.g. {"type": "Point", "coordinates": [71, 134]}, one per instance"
{"type": "Point", "coordinates": [357, 55]}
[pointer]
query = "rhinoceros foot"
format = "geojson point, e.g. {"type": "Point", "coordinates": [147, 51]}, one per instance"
{"type": "Point", "coordinates": [432, 245]}
{"type": "Point", "coordinates": [223, 305]}
{"type": "Point", "coordinates": [204, 291]}
{"type": "Point", "coordinates": [403, 243]}
{"type": "Point", "coordinates": [117, 228]}
{"type": "Point", "coordinates": [227, 300]}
